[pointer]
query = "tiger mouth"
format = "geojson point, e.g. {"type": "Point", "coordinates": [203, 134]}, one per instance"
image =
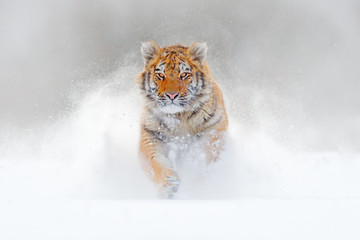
{"type": "Point", "coordinates": [176, 102]}
{"type": "Point", "coordinates": [172, 108]}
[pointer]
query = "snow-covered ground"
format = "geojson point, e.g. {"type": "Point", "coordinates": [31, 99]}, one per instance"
{"type": "Point", "coordinates": [181, 219]}
{"type": "Point", "coordinates": [80, 178]}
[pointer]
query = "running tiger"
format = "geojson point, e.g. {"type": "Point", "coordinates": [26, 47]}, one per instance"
{"type": "Point", "coordinates": [183, 103]}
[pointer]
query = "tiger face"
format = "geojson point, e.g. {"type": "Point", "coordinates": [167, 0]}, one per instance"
{"type": "Point", "coordinates": [174, 77]}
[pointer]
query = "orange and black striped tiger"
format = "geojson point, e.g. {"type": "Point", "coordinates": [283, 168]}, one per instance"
{"type": "Point", "coordinates": [182, 103]}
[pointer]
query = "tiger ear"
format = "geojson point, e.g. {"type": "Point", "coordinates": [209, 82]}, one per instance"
{"type": "Point", "coordinates": [197, 51]}
{"type": "Point", "coordinates": [149, 50]}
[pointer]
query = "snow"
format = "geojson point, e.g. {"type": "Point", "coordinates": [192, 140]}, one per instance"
{"type": "Point", "coordinates": [80, 178]}
{"type": "Point", "coordinates": [181, 219]}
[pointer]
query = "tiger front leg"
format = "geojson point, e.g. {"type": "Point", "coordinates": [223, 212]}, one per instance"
{"type": "Point", "coordinates": [157, 165]}
{"type": "Point", "coordinates": [214, 145]}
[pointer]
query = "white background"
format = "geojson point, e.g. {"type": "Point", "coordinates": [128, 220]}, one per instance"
{"type": "Point", "coordinates": [69, 116]}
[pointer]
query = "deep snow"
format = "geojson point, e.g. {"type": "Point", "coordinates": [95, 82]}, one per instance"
{"type": "Point", "coordinates": [80, 178]}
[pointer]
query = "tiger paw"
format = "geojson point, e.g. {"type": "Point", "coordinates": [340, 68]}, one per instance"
{"type": "Point", "coordinates": [170, 185]}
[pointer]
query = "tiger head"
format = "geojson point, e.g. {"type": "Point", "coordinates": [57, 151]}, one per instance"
{"type": "Point", "coordinates": [175, 78]}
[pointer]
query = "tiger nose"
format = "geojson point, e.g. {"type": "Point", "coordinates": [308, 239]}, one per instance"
{"type": "Point", "coordinates": [172, 95]}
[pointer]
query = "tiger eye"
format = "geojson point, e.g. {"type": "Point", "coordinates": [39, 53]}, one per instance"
{"type": "Point", "coordinates": [161, 76]}
{"type": "Point", "coordinates": [183, 75]}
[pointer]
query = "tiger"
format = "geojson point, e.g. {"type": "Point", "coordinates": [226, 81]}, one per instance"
{"type": "Point", "coordinates": [181, 101]}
